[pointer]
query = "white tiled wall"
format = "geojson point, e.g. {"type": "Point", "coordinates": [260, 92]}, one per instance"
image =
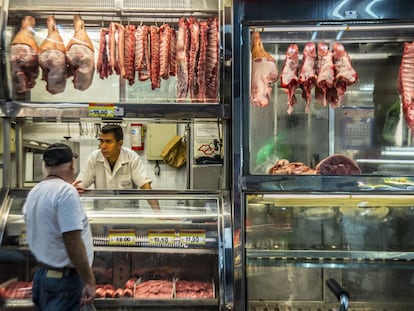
{"type": "Point", "coordinates": [170, 178]}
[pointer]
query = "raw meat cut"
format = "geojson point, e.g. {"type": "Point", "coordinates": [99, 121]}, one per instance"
{"type": "Point", "coordinates": [289, 75]}
{"type": "Point", "coordinates": [345, 74]}
{"type": "Point", "coordinates": [120, 43]}
{"type": "Point", "coordinates": [165, 50]}
{"type": "Point", "coordinates": [201, 65]}
{"type": "Point", "coordinates": [112, 29]}
{"type": "Point", "coordinates": [52, 59]}
{"type": "Point", "coordinates": [102, 66]}
{"type": "Point", "coordinates": [130, 54]}
{"type": "Point", "coordinates": [264, 73]}
{"type": "Point", "coordinates": [142, 54]}
{"type": "Point", "coordinates": [284, 167]}
{"type": "Point", "coordinates": [173, 53]}
{"type": "Point", "coordinates": [307, 76]}
{"type": "Point", "coordinates": [406, 84]}
{"type": "Point", "coordinates": [159, 289]}
{"type": "Point", "coordinates": [80, 56]}
{"type": "Point", "coordinates": [325, 73]}
{"type": "Point", "coordinates": [155, 57]}
{"type": "Point", "coordinates": [24, 57]}
{"type": "Point", "coordinates": [337, 164]}
{"type": "Point", "coordinates": [212, 60]}
{"type": "Point", "coordinates": [182, 59]}
{"type": "Point", "coordinates": [194, 50]}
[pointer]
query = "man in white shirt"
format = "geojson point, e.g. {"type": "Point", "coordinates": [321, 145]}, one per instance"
{"type": "Point", "coordinates": [114, 166]}
{"type": "Point", "coordinates": [59, 236]}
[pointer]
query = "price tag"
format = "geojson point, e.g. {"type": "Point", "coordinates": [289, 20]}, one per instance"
{"type": "Point", "coordinates": [161, 237]}
{"type": "Point", "coordinates": [101, 110]}
{"type": "Point", "coordinates": [193, 237]}
{"type": "Point", "coordinates": [122, 237]}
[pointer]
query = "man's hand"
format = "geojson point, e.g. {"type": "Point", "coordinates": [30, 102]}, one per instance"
{"type": "Point", "coordinates": [78, 186]}
{"type": "Point", "coordinates": [88, 294]}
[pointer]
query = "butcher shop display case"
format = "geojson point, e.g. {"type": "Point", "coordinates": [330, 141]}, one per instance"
{"type": "Point", "coordinates": [115, 58]}
{"type": "Point", "coordinates": [170, 259]}
{"type": "Point", "coordinates": [323, 165]}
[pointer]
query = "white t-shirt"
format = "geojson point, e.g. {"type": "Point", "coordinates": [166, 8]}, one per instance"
{"type": "Point", "coordinates": [52, 208]}
{"type": "Point", "coordinates": [128, 172]}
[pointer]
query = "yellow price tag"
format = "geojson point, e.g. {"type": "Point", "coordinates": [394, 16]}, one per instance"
{"type": "Point", "coordinates": [101, 110]}
{"type": "Point", "coordinates": [122, 237]}
{"type": "Point", "coordinates": [161, 237]}
{"type": "Point", "coordinates": [193, 237]}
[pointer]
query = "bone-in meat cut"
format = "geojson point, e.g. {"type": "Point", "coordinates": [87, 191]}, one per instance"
{"type": "Point", "coordinates": [155, 57]}
{"type": "Point", "coordinates": [130, 54]}
{"type": "Point", "coordinates": [194, 50]}
{"type": "Point", "coordinates": [289, 75]}
{"type": "Point", "coordinates": [182, 59]}
{"type": "Point", "coordinates": [264, 73]}
{"type": "Point", "coordinates": [120, 44]}
{"type": "Point", "coordinates": [201, 65]}
{"type": "Point", "coordinates": [345, 74]}
{"type": "Point", "coordinates": [212, 60]}
{"type": "Point", "coordinates": [406, 84]}
{"type": "Point", "coordinates": [102, 65]}
{"type": "Point", "coordinates": [325, 70]}
{"type": "Point", "coordinates": [142, 54]}
{"type": "Point", "coordinates": [173, 53]}
{"type": "Point", "coordinates": [307, 76]}
{"type": "Point", "coordinates": [52, 59]}
{"type": "Point", "coordinates": [24, 57]}
{"type": "Point", "coordinates": [165, 50]}
{"type": "Point", "coordinates": [80, 56]}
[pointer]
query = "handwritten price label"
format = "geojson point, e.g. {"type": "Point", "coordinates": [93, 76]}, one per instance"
{"type": "Point", "coordinates": [193, 237]}
{"type": "Point", "coordinates": [161, 237]}
{"type": "Point", "coordinates": [122, 237]}
{"type": "Point", "coordinates": [101, 110]}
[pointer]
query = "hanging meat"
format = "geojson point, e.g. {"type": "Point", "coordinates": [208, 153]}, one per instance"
{"type": "Point", "coordinates": [130, 54]}
{"type": "Point", "coordinates": [201, 66]}
{"type": "Point", "coordinates": [155, 57]}
{"type": "Point", "coordinates": [165, 50]}
{"type": "Point", "coordinates": [52, 59]}
{"type": "Point", "coordinates": [212, 60]}
{"type": "Point", "coordinates": [112, 29]}
{"type": "Point", "coordinates": [142, 54]}
{"type": "Point", "coordinates": [182, 59]}
{"type": "Point", "coordinates": [307, 76]}
{"type": "Point", "coordinates": [406, 84]}
{"type": "Point", "coordinates": [102, 66]}
{"type": "Point", "coordinates": [194, 50]}
{"type": "Point", "coordinates": [264, 73]}
{"type": "Point", "coordinates": [120, 44]}
{"type": "Point", "coordinates": [325, 70]}
{"type": "Point", "coordinates": [345, 74]}
{"type": "Point", "coordinates": [289, 75]}
{"type": "Point", "coordinates": [173, 53]}
{"type": "Point", "coordinates": [24, 57]}
{"type": "Point", "coordinates": [80, 56]}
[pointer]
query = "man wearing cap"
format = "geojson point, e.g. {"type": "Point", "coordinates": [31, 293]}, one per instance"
{"type": "Point", "coordinates": [59, 236]}
{"type": "Point", "coordinates": [114, 166]}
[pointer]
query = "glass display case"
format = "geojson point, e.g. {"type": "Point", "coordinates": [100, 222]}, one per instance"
{"type": "Point", "coordinates": [322, 171]}
{"type": "Point", "coordinates": [180, 249]}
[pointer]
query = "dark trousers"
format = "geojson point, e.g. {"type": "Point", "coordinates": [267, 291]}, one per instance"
{"type": "Point", "coordinates": [59, 289]}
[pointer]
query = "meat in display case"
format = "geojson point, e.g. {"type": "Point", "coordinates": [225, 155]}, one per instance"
{"type": "Point", "coordinates": [122, 52]}
{"type": "Point", "coordinates": [143, 258]}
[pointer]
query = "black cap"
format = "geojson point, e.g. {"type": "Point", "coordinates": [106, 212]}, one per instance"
{"type": "Point", "coordinates": [58, 154]}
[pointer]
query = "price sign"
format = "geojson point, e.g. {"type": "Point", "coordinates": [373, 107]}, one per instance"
{"type": "Point", "coordinates": [193, 237]}
{"type": "Point", "coordinates": [101, 110]}
{"type": "Point", "coordinates": [122, 237]}
{"type": "Point", "coordinates": [161, 237]}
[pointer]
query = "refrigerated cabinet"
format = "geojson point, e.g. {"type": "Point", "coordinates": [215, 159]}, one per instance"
{"type": "Point", "coordinates": [183, 243]}
{"type": "Point", "coordinates": [294, 231]}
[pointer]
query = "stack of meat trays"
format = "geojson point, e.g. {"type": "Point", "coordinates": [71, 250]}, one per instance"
{"type": "Point", "coordinates": [186, 289]}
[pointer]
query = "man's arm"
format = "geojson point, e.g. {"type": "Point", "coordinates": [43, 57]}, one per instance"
{"type": "Point", "coordinates": [77, 255]}
{"type": "Point", "coordinates": [153, 203]}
